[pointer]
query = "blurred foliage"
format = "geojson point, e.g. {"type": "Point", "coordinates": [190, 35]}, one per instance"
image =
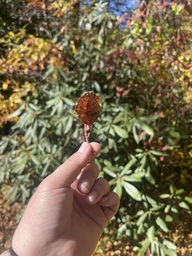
{"type": "Point", "coordinates": [51, 53]}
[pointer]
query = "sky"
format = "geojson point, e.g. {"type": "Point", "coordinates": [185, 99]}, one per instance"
{"type": "Point", "coordinates": [118, 7]}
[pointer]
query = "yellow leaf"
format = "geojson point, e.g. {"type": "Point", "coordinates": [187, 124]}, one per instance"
{"type": "Point", "coordinates": [15, 99]}
{"type": "Point", "coordinates": [73, 47]}
{"type": "Point", "coordinates": [5, 86]}
{"type": "Point", "coordinates": [11, 33]}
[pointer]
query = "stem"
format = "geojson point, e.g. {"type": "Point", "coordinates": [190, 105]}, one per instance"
{"type": "Point", "coordinates": [87, 131]}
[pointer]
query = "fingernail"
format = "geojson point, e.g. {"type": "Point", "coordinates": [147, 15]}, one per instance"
{"type": "Point", "coordinates": [83, 147]}
{"type": "Point", "coordinates": [85, 186]}
{"type": "Point", "coordinates": [92, 196]}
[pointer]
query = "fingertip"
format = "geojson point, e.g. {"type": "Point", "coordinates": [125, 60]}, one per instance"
{"type": "Point", "coordinates": [110, 200]}
{"type": "Point", "coordinates": [83, 147]}
{"type": "Point", "coordinates": [96, 148]}
{"type": "Point", "coordinates": [110, 204]}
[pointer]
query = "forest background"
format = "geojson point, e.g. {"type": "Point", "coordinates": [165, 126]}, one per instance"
{"type": "Point", "coordinates": [137, 58]}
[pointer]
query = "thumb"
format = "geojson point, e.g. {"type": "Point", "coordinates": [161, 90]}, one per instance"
{"type": "Point", "coordinates": [66, 173]}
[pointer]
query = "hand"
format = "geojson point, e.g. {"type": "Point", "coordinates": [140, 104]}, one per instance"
{"type": "Point", "coordinates": [69, 210]}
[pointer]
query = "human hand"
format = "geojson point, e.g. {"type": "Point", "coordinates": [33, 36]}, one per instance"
{"type": "Point", "coordinates": [69, 210]}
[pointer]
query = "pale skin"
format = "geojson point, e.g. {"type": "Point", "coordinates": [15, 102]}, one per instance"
{"type": "Point", "coordinates": [69, 210]}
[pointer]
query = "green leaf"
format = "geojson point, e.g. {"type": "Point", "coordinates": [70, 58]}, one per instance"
{"type": "Point", "coordinates": [35, 159]}
{"type": "Point", "coordinates": [140, 229]}
{"type": "Point", "coordinates": [112, 132]}
{"type": "Point", "coordinates": [149, 176]}
{"type": "Point", "coordinates": [174, 209]}
{"type": "Point", "coordinates": [118, 189]}
{"type": "Point", "coordinates": [128, 165]}
{"type": "Point", "coordinates": [168, 218]}
{"type": "Point", "coordinates": [151, 200]}
{"type": "Point", "coordinates": [128, 42]}
{"type": "Point", "coordinates": [143, 160]}
{"type": "Point", "coordinates": [179, 191]}
{"type": "Point", "coordinates": [25, 191]}
{"type": "Point", "coordinates": [164, 250]}
{"type": "Point", "coordinates": [68, 101]}
{"type": "Point", "coordinates": [167, 208]}
{"type": "Point", "coordinates": [34, 107]}
{"type": "Point", "coordinates": [169, 244]}
{"type": "Point", "coordinates": [49, 72]}
{"type": "Point", "coordinates": [170, 252]}
{"type": "Point", "coordinates": [111, 143]}
{"type": "Point", "coordinates": [142, 218]}
{"type": "Point", "coordinates": [184, 206]}
{"type": "Point", "coordinates": [132, 191]}
{"type": "Point", "coordinates": [174, 134]}
{"type": "Point", "coordinates": [60, 107]}
{"type": "Point", "coordinates": [118, 118]}
{"type": "Point", "coordinates": [143, 249]}
{"type": "Point", "coordinates": [16, 112]}
{"type": "Point", "coordinates": [13, 194]}
{"type": "Point", "coordinates": [188, 199]}
{"type": "Point", "coordinates": [164, 196]}
{"type": "Point", "coordinates": [151, 233]}
{"type": "Point", "coordinates": [147, 129]}
{"type": "Point", "coordinates": [157, 153]}
{"type": "Point", "coordinates": [162, 224]}
{"type": "Point", "coordinates": [121, 132]}
{"type": "Point", "coordinates": [110, 171]}
{"type": "Point", "coordinates": [140, 212]}
{"type": "Point", "coordinates": [171, 189]}
{"type": "Point", "coordinates": [68, 126]}
{"type": "Point", "coordinates": [135, 177]}
{"type": "Point", "coordinates": [18, 168]}
{"type": "Point", "coordinates": [135, 135]}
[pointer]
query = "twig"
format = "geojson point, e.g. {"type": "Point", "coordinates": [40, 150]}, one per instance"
{"type": "Point", "coordinates": [87, 131]}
